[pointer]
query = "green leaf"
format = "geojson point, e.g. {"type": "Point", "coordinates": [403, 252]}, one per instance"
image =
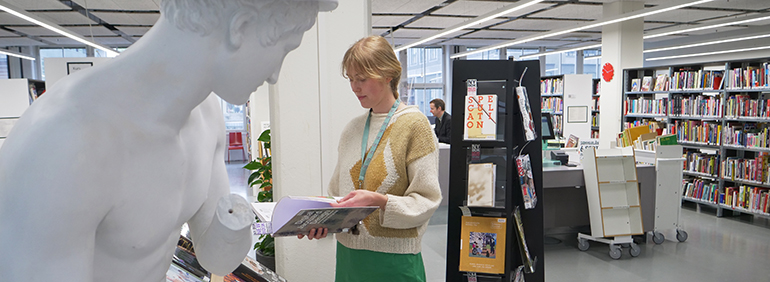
{"type": "Point", "coordinates": [265, 136]}
{"type": "Point", "coordinates": [252, 165]}
{"type": "Point", "coordinates": [252, 177]}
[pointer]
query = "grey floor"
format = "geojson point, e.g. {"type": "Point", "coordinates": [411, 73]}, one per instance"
{"type": "Point", "coordinates": [718, 249]}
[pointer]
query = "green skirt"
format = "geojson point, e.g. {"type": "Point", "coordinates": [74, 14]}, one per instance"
{"type": "Point", "coordinates": [364, 265]}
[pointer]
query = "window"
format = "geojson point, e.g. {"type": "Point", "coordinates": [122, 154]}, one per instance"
{"type": "Point", "coordinates": [59, 53]}
{"type": "Point", "coordinates": [3, 67]}
{"type": "Point", "coordinates": [562, 63]}
{"type": "Point", "coordinates": [517, 53]}
{"type": "Point", "coordinates": [235, 116]}
{"type": "Point", "coordinates": [100, 53]}
{"type": "Point", "coordinates": [486, 55]}
{"type": "Point", "coordinates": [424, 75]}
{"type": "Point", "coordinates": [552, 64]}
{"type": "Point", "coordinates": [592, 62]}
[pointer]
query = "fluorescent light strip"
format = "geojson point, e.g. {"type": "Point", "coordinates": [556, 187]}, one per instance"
{"type": "Point", "coordinates": [53, 27]}
{"type": "Point", "coordinates": [706, 43]}
{"type": "Point", "coordinates": [475, 21]}
{"type": "Point", "coordinates": [592, 58]}
{"type": "Point", "coordinates": [633, 15]}
{"type": "Point", "coordinates": [709, 53]}
{"type": "Point", "coordinates": [14, 54]}
{"type": "Point", "coordinates": [706, 27]}
{"type": "Point", "coordinates": [532, 56]}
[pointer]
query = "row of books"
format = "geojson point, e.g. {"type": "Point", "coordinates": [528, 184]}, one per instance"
{"type": "Point", "coordinates": [700, 189]}
{"type": "Point", "coordinates": [745, 106]}
{"type": "Point", "coordinates": [594, 134]}
{"type": "Point", "coordinates": [749, 77]}
{"type": "Point", "coordinates": [751, 135]}
{"type": "Point", "coordinates": [753, 199]}
{"type": "Point", "coordinates": [552, 104]}
{"type": "Point", "coordinates": [595, 106]}
{"type": "Point", "coordinates": [697, 80]}
{"type": "Point", "coordinates": [595, 120]}
{"type": "Point", "coordinates": [701, 163]}
{"type": "Point", "coordinates": [697, 131]}
{"type": "Point", "coordinates": [755, 169]}
{"type": "Point", "coordinates": [644, 137]}
{"type": "Point", "coordinates": [699, 105]}
{"type": "Point", "coordinates": [646, 106]}
{"type": "Point", "coordinates": [551, 86]}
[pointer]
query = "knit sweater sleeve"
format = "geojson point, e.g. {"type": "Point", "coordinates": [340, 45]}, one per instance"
{"type": "Point", "coordinates": [423, 194]}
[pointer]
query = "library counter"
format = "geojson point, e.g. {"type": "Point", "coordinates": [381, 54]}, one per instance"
{"type": "Point", "coordinates": [565, 203]}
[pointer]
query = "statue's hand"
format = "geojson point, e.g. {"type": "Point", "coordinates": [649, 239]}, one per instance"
{"type": "Point", "coordinates": [234, 212]}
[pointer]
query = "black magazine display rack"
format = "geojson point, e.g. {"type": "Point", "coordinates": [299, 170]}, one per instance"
{"type": "Point", "coordinates": [496, 78]}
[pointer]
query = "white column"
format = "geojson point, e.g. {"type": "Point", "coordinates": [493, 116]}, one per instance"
{"type": "Point", "coordinates": [622, 47]}
{"type": "Point", "coordinates": [309, 106]}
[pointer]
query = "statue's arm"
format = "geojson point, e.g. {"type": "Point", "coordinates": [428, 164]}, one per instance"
{"type": "Point", "coordinates": [220, 229]}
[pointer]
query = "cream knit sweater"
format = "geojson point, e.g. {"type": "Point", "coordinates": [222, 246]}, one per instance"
{"type": "Point", "coordinates": [404, 167]}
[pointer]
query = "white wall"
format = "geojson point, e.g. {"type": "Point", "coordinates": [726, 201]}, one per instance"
{"type": "Point", "coordinates": [309, 106]}
{"type": "Point", "coordinates": [56, 68]}
{"type": "Point", "coordinates": [14, 100]}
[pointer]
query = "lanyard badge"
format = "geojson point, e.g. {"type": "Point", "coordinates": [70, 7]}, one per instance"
{"type": "Point", "coordinates": [366, 158]}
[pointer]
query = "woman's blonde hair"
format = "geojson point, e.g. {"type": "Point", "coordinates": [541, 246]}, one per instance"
{"type": "Point", "coordinates": [374, 58]}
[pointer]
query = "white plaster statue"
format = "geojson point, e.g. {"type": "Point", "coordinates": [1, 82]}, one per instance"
{"type": "Point", "coordinates": [100, 173]}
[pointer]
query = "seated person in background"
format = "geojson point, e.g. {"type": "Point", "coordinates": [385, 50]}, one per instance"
{"type": "Point", "coordinates": [443, 120]}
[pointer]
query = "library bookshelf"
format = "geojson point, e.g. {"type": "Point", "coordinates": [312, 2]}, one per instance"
{"type": "Point", "coordinates": [720, 113]}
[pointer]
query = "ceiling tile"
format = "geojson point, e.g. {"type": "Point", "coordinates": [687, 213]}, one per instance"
{"type": "Point", "coordinates": [131, 30]}
{"type": "Point", "coordinates": [528, 24]}
{"type": "Point", "coordinates": [590, 12]}
{"type": "Point", "coordinates": [35, 30]}
{"type": "Point", "coordinates": [714, 30]}
{"type": "Point", "coordinates": [685, 15]}
{"type": "Point", "coordinates": [145, 19]}
{"type": "Point", "coordinates": [509, 35]}
{"type": "Point", "coordinates": [113, 41]}
{"type": "Point", "coordinates": [64, 18]}
{"type": "Point", "coordinates": [119, 18]}
{"type": "Point", "coordinates": [389, 20]}
{"type": "Point", "coordinates": [413, 33]}
{"type": "Point", "coordinates": [440, 22]}
{"type": "Point", "coordinates": [403, 6]}
{"type": "Point", "coordinates": [120, 4]}
{"type": "Point", "coordinates": [37, 4]}
{"type": "Point", "coordinates": [478, 8]}
{"type": "Point", "coordinates": [96, 30]}
{"type": "Point", "coordinates": [19, 41]}
{"type": "Point", "coordinates": [742, 4]}
{"type": "Point", "coordinates": [61, 40]}
{"type": "Point", "coordinates": [8, 19]}
{"type": "Point", "coordinates": [6, 33]}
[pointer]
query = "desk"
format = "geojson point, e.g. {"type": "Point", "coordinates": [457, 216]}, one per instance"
{"type": "Point", "coordinates": [564, 196]}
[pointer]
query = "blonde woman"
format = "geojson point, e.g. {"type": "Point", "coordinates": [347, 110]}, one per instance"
{"type": "Point", "coordinates": [388, 157]}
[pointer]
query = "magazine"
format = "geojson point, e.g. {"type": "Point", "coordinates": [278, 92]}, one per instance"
{"type": "Point", "coordinates": [526, 113]}
{"type": "Point", "coordinates": [526, 182]}
{"type": "Point", "coordinates": [294, 215]}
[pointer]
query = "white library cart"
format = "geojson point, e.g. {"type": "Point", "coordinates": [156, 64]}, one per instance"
{"type": "Point", "coordinates": [668, 163]}
{"type": "Point", "coordinates": [614, 207]}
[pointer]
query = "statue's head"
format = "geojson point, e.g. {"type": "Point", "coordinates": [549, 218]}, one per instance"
{"type": "Point", "coordinates": [256, 35]}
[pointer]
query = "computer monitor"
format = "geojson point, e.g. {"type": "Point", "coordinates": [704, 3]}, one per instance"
{"type": "Point", "coordinates": [546, 126]}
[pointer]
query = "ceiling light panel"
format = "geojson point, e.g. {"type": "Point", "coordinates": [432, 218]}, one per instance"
{"type": "Point", "coordinates": [37, 4]}
{"type": "Point", "coordinates": [65, 18]}
{"type": "Point", "coordinates": [589, 12]}
{"type": "Point", "coordinates": [389, 20]}
{"type": "Point", "coordinates": [403, 6]}
{"type": "Point", "coordinates": [443, 22]}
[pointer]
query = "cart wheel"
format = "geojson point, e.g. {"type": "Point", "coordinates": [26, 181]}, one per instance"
{"type": "Point", "coordinates": [635, 250]}
{"type": "Point", "coordinates": [681, 235]}
{"type": "Point", "coordinates": [658, 238]}
{"type": "Point", "coordinates": [583, 245]}
{"type": "Point", "coordinates": [615, 252]}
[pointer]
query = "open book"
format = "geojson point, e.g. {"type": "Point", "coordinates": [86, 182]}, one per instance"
{"type": "Point", "coordinates": [294, 215]}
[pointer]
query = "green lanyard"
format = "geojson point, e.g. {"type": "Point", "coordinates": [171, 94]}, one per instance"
{"type": "Point", "coordinates": [365, 139]}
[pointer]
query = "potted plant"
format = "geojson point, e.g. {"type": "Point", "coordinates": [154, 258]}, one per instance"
{"type": "Point", "coordinates": [262, 177]}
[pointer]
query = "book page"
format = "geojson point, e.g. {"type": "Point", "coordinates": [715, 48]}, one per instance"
{"type": "Point", "coordinates": [481, 184]}
{"type": "Point", "coordinates": [335, 219]}
{"type": "Point", "coordinates": [482, 244]}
